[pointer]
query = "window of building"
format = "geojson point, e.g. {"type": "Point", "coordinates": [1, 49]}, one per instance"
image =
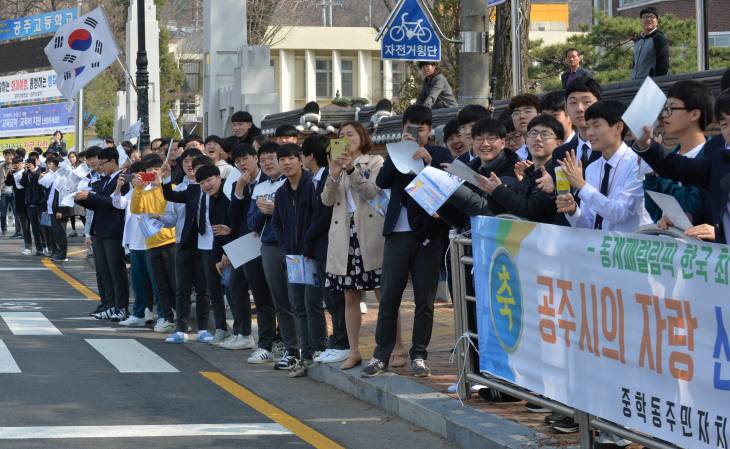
{"type": "Point", "coordinates": [188, 106]}
{"type": "Point", "coordinates": [347, 78]}
{"type": "Point", "coordinates": [603, 7]}
{"type": "Point", "coordinates": [719, 39]}
{"type": "Point", "coordinates": [632, 3]}
{"type": "Point", "coordinates": [191, 69]}
{"type": "Point", "coordinates": [323, 71]}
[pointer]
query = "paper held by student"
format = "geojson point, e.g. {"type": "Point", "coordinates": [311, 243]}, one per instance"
{"type": "Point", "coordinates": [645, 107]}
{"type": "Point", "coordinates": [671, 209]}
{"type": "Point", "coordinates": [463, 171]}
{"type": "Point", "coordinates": [244, 249]}
{"type": "Point", "coordinates": [47, 180]}
{"type": "Point", "coordinates": [401, 153]}
{"type": "Point", "coordinates": [432, 187]}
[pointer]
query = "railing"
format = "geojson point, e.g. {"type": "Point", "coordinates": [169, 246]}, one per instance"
{"type": "Point", "coordinates": [465, 301]}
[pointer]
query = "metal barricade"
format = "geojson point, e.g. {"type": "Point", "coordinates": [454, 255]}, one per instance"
{"type": "Point", "coordinates": [465, 314]}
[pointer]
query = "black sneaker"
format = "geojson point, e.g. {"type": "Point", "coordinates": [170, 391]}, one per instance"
{"type": "Point", "coordinates": [287, 362]}
{"type": "Point", "coordinates": [375, 367]}
{"type": "Point", "coordinates": [565, 425]}
{"type": "Point", "coordinates": [100, 308]}
{"type": "Point", "coordinates": [493, 395]}
{"type": "Point", "coordinates": [419, 368]}
{"type": "Point", "coordinates": [534, 408]}
{"type": "Point", "coordinates": [553, 418]}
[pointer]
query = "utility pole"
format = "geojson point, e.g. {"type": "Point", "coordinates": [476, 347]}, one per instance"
{"type": "Point", "coordinates": [143, 112]}
{"type": "Point", "coordinates": [79, 123]}
{"type": "Point", "coordinates": [703, 56]}
{"type": "Point", "coordinates": [473, 60]}
{"type": "Point", "coordinates": [516, 47]}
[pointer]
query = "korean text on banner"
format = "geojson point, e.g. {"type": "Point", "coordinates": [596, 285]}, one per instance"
{"type": "Point", "coordinates": [626, 327]}
{"type": "Point", "coordinates": [35, 25]}
{"type": "Point", "coordinates": [27, 87]}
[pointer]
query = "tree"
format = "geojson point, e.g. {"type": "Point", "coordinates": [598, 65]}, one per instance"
{"type": "Point", "coordinates": [607, 51]}
{"type": "Point", "coordinates": [503, 47]}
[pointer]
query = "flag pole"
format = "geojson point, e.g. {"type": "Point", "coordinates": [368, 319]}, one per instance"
{"type": "Point", "coordinates": [126, 72]}
{"type": "Point", "coordinates": [79, 125]}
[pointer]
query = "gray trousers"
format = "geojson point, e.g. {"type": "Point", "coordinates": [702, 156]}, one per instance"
{"type": "Point", "coordinates": [335, 302]}
{"type": "Point", "coordinates": [162, 261]}
{"type": "Point", "coordinates": [265, 318]}
{"type": "Point", "coordinates": [109, 256]}
{"type": "Point", "coordinates": [306, 301]}
{"type": "Point", "coordinates": [273, 260]}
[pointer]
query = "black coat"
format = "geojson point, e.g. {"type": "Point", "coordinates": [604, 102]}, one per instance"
{"type": "Point", "coordinates": [108, 221]}
{"type": "Point", "coordinates": [711, 173]}
{"type": "Point", "coordinates": [35, 194]}
{"type": "Point", "coordinates": [316, 237]}
{"type": "Point", "coordinates": [423, 225]}
{"type": "Point", "coordinates": [218, 215]}
{"type": "Point", "coordinates": [293, 213]}
{"type": "Point", "coordinates": [526, 200]}
{"type": "Point", "coordinates": [232, 142]}
{"type": "Point", "coordinates": [239, 207]}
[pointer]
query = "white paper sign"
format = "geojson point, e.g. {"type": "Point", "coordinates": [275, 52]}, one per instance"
{"type": "Point", "coordinates": [244, 249]}
{"type": "Point", "coordinates": [229, 181]}
{"type": "Point", "coordinates": [432, 187]}
{"type": "Point", "coordinates": [671, 208]}
{"type": "Point", "coordinates": [47, 180]}
{"type": "Point", "coordinates": [463, 171]}
{"type": "Point", "coordinates": [645, 107]}
{"type": "Point", "coordinates": [401, 153]}
{"type": "Point", "coordinates": [68, 200]}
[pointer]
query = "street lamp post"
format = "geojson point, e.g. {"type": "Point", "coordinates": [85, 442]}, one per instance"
{"type": "Point", "coordinates": [142, 76]}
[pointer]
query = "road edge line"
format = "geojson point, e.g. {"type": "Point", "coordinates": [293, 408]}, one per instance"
{"type": "Point", "coordinates": [272, 412]}
{"type": "Point", "coordinates": [70, 280]}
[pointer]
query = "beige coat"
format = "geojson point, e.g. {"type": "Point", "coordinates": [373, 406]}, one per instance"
{"type": "Point", "coordinates": [368, 222]}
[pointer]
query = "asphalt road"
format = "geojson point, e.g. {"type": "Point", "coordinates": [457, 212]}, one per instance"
{"type": "Point", "coordinates": [70, 381]}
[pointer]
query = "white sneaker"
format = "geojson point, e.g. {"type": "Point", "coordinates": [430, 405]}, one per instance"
{"type": "Point", "coordinates": [323, 356]}
{"type": "Point", "coordinates": [149, 316]}
{"type": "Point", "coordinates": [337, 355]}
{"type": "Point", "coordinates": [219, 337]}
{"type": "Point", "coordinates": [27, 252]}
{"type": "Point", "coordinates": [132, 321]}
{"type": "Point", "coordinates": [46, 252]}
{"type": "Point", "coordinates": [363, 308]}
{"type": "Point", "coordinates": [260, 355]}
{"type": "Point", "coordinates": [239, 342]}
{"type": "Point", "coordinates": [163, 326]}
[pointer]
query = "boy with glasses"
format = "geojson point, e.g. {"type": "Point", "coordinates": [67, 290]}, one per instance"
{"type": "Point", "coordinates": [651, 48]}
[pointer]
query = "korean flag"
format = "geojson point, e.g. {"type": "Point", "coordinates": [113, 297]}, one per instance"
{"type": "Point", "coordinates": [80, 50]}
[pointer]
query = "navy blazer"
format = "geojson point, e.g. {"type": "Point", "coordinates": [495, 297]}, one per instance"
{"type": "Point", "coordinates": [293, 213]}
{"type": "Point", "coordinates": [190, 197]}
{"type": "Point", "coordinates": [580, 73]}
{"type": "Point", "coordinates": [238, 211]}
{"type": "Point", "coordinates": [711, 173]}
{"type": "Point", "coordinates": [108, 221]}
{"type": "Point", "coordinates": [423, 225]}
{"type": "Point", "coordinates": [316, 238]}
{"type": "Point", "coordinates": [559, 154]}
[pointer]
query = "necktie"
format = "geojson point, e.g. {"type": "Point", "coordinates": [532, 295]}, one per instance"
{"type": "Point", "coordinates": [202, 211]}
{"type": "Point", "coordinates": [604, 192]}
{"type": "Point", "coordinates": [584, 158]}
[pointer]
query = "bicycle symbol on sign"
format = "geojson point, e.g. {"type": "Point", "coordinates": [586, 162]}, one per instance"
{"type": "Point", "coordinates": [408, 30]}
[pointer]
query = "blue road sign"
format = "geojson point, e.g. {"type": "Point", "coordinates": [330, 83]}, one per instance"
{"type": "Point", "coordinates": [35, 25]}
{"type": "Point", "coordinates": [491, 3]}
{"type": "Point", "coordinates": [410, 36]}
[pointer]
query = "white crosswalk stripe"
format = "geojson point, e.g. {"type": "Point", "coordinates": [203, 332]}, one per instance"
{"type": "Point", "coordinates": [130, 356]}
{"type": "Point", "coordinates": [7, 362]}
{"type": "Point", "coordinates": [132, 431]}
{"type": "Point", "coordinates": [29, 323]}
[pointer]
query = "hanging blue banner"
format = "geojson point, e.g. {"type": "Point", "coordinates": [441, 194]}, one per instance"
{"type": "Point", "coordinates": [410, 35]}
{"type": "Point", "coordinates": [35, 25]}
{"type": "Point", "coordinates": [36, 120]}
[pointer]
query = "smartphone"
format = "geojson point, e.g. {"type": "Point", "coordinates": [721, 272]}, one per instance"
{"type": "Point", "coordinates": [336, 147]}
{"type": "Point", "coordinates": [412, 130]}
{"type": "Point", "coordinates": [147, 177]}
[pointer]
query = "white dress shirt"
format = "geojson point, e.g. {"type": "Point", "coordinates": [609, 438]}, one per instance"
{"type": "Point", "coordinates": [623, 208]}
{"type": "Point", "coordinates": [205, 241]}
{"type": "Point", "coordinates": [579, 150]}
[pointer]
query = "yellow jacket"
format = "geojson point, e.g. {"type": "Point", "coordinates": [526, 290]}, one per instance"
{"type": "Point", "coordinates": [152, 202]}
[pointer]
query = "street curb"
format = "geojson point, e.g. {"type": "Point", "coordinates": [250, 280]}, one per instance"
{"type": "Point", "coordinates": [465, 426]}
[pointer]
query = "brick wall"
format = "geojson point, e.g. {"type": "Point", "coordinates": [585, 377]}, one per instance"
{"type": "Point", "coordinates": [718, 11]}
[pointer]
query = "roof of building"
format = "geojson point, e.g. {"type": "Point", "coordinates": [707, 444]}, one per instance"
{"type": "Point", "coordinates": [390, 129]}
{"type": "Point", "coordinates": [325, 38]}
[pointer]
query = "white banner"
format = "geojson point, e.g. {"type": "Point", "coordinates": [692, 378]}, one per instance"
{"type": "Point", "coordinates": [627, 327]}
{"type": "Point", "coordinates": [26, 87]}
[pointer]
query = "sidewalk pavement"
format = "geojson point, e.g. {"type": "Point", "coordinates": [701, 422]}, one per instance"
{"type": "Point", "coordinates": [426, 402]}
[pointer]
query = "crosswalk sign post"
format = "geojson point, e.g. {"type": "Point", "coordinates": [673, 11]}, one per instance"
{"type": "Point", "coordinates": [410, 34]}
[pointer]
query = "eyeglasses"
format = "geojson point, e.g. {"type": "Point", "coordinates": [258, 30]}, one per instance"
{"type": "Point", "coordinates": [544, 135]}
{"type": "Point", "coordinates": [648, 17]}
{"type": "Point", "coordinates": [668, 110]}
{"type": "Point", "coordinates": [488, 139]}
{"type": "Point", "coordinates": [524, 112]}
